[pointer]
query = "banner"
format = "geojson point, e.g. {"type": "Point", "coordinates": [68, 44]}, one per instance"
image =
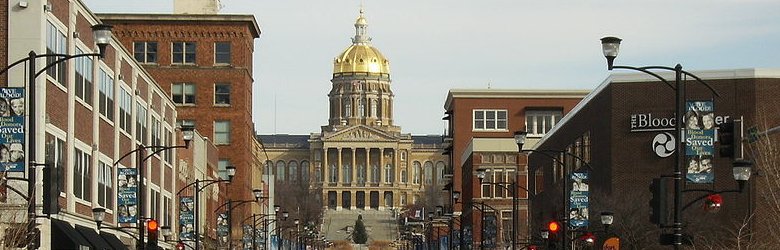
{"type": "Point", "coordinates": [491, 231]}
{"type": "Point", "coordinates": [699, 141]}
{"type": "Point", "coordinates": [187, 218]}
{"type": "Point", "coordinates": [127, 202]}
{"type": "Point", "coordinates": [578, 200]}
{"type": "Point", "coordinates": [12, 128]}
{"type": "Point", "coordinates": [247, 238]}
{"type": "Point", "coordinates": [222, 224]}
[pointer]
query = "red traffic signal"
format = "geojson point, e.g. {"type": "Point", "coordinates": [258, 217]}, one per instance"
{"type": "Point", "coordinates": [152, 226]}
{"type": "Point", "coordinates": [532, 247]}
{"type": "Point", "coordinates": [553, 227]}
{"type": "Point", "coordinates": [588, 238]}
{"type": "Point", "coordinates": [180, 246]}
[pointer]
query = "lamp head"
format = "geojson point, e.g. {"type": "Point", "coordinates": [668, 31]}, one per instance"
{"type": "Point", "coordinates": [456, 195]}
{"type": "Point", "coordinates": [439, 209]}
{"type": "Point", "coordinates": [188, 132]}
{"type": "Point", "coordinates": [610, 45]}
{"type": "Point", "coordinates": [545, 234]}
{"type": "Point", "coordinates": [277, 208]}
{"type": "Point", "coordinates": [430, 215]}
{"type": "Point", "coordinates": [607, 218]}
{"type": "Point", "coordinates": [285, 214]}
{"type": "Point", "coordinates": [296, 221]}
{"type": "Point", "coordinates": [166, 231]}
{"type": "Point", "coordinates": [102, 35]}
{"type": "Point", "coordinates": [258, 193]}
{"type": "Point", "coordinates": [520, 139]}
{"type": "Point", "coordinates": [231, 171]}
{"type": "Point", "coordinates": [481, 174]}
{"type": "Point", "coordinates": [98, 214]}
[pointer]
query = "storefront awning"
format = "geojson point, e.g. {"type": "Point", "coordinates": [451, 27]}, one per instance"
{"type": "Point", "coordinates": [97, 242]}
{"type": "Point", "coordinates": [65, 237]}
{"type": "Point", "coordinates": [113, 240]}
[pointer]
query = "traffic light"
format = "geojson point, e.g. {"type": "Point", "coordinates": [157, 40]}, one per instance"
{"type": "Point", "coordinates": [658, 211]}
{"type": "Point", "coordinates": [180, 246]}
{"type": "Point", "coordinates": [153, 229]}
{"type": "Point", "coordinates": [588, 238]}
{"type": "Point", "coordinates": [554, 228]}
{"type": "Point", "coordinates": [51, 190]}
{"type": "Point", "coordinates": [713, 203]}
{"type": "Point", "coordinates": [726, 139]}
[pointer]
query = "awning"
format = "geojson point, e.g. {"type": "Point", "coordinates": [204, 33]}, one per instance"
{"type": "Point", "coordinates": [113, 240]}
{"type": "Point", "coordinates": [96, 241]}
{"type": "Point", "coordinates": [65, 237]}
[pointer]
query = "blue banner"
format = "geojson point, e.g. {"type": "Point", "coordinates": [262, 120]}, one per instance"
{"type": "Point", "coordinates": [12, 128]}
{"type": "Point", "coordinates": [222, 224]}
{"type": "Point", "coordinates": [578, 200]}
{"type": "Point", "coordinates": [127, 201]}
{"type": "Point", "coordinates": [186, 218]}
{"type": "Point", "coordinates": [699, 141]}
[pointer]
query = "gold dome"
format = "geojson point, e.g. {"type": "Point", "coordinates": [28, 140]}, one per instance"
{"type": "Point", "coordinates": [362, 58]}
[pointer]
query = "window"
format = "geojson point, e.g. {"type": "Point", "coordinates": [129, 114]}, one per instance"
{"type": "Point", "coordinates": [428, 175]}
{"type": "Point", "coordinates": [375, 174]}
{"type": "Point", "coordinates": [183, 93]}
{"type": "Point", "coordinates": [440, 173]}
{"type": "Point", "coordinates": [222, 93]}
{"type": "Point", "coordinates": [222, 53]}
{"type": "Point", "coordinates": [168, 141]}
{"type": "Point", "coordinates": [155, 200]}
{"type": "Point", "coordinates": [416, 172]}
{"type": "Point", "coordinates": [346, 172]}
{"type": "Point", "coordinates": [498, 176]}
{"type": "Point", "coordinates": [280, 176]}
{"type": "Point", "coordinates": [84, 77]}
{"type": "Point", "coordinates": [539, 122]}
{"type": "Point", "coordinates": [373, 108]}
{"type": "Point", "coordinates": [362, 108]}
{"type": "Point", "coordinates": [305, 171]}
{"type": "Point", "coordinates": [222, 132]}
{"type": "Point", "coordinates": [293, 171]}
{"type": "Point", "coordinates": [140, 126]}
{"type": "Point", "coordinates": [222, 165]}
{"type": "Point", "coordinates": [318, 173]}
{"type": "Point", "coordinates": [388, 173]}
{"type": "Point", "coordinates": [183, 53]}
{"type": "Point", "coordinates": [82, 180]}
{"type": "Point", "coordinates": [489, 119]}
{"type": "Point", "coordinates": [105, 185]}
{"type": "Point", "coordinates": [106, 96]}
{"type": "Point", "coordinates": [333, 176]}
{"type": "Point", "coordinates": [55, 153]}
{"type": "Point", "coordinates": [55, 44]}
{"type": "Point", "coordinates": [145, 52]}
{"type": "Point", "coordinates": [125, 110]}
{"type": "Point", "coordinates": [361, 174]}
{"type": "Point", "coordinates": [156, 138]}
{"type": "Point", "coordinates": [167, 208]}
{"type": "Point", "coordinates": [347, 108]}
{"type": "Point", "coordinates": [404, 177]}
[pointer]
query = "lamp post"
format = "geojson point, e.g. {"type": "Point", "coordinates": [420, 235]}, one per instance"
{"type": "Point", "coordinates": [285, 215]}
{"type": "Point", "coordinates": [258, 194]}
{"type": "Point", "coordinates": [255, 218]}
{"type": "Point", "coordinates": [610, 47]}
{"type": "Point", "coordinates": [231, 171]}
{"type": "Point", "coordinates": [102, 37]}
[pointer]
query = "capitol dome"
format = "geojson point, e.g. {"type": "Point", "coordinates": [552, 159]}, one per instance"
{"type": "Point", "coordinates": [361, 57]}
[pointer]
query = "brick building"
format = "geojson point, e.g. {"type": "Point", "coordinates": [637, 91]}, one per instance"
{"type": "Point", "coordinates": [623, 131]}
{"type": "Point", "coordinates": [482, 123]}
{"type": "Point", "coordinates": [203, 62]}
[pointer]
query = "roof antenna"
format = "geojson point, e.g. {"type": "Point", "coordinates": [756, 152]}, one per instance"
{"type": "Point", "coordinates": [489, 82]}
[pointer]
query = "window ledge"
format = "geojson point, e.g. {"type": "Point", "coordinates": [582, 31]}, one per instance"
{"type": "Point", "coordinates": [222, 105]}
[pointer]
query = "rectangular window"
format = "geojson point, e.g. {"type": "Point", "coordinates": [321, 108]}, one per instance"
{"type": "Point", "coordinates": [167, 208]}
{"type": "Point", "coordinates": [490, 119]}
{"type": "Point", "coordinates": [222, 53]}
{"type": "Point", "coordinates": [155, 204]}
{"type": "Point", "coordinates": [222, 168]}
{"type": "Point", "coordinates": [81, 177]}
{"type": "Point", "coordinates": [168, 142]}
{"type": "Point", "coordinates": [125, 110]}
{"type": "Point", "coordinates": [222, 132]}
{"type": "Point", "coordinates": [183, 53]}
{"type": "Point", "coordinates": [106, 95]}
{"type": "Point", "coordinates": [183, 93]}
{"type": "Point", "coordinates": [145, 52]}
{"type": "Point", "coordinates": [84, 78]}
{"type": "Point", "coordinates": [105, 185]}
{"type": "Point", "coordinates": [156, 130]}
{"type": "Point", "coordinates": [55, 44]}
{"type": "Point", "coordinates": [222, 94]}
{"type": "Point", "coordinates": [140, 126]}
{"type": "Point", "coordinates": [539, 122]}
{"type": "Point", "coordinates": [55, 154]}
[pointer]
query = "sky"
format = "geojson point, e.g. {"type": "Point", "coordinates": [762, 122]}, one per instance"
{"type": "Point", "coordinates": [437, 45]}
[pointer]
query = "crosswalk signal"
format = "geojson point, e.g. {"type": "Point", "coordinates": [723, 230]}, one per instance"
{"type": "Point", "coordinates": [153, 229]}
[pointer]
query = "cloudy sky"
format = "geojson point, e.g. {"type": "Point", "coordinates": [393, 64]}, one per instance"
{"type": "Point", "coordinates": [438, 45]}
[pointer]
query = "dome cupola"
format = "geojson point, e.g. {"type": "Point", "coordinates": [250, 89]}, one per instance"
{"type": "Point", "coordinates": [361, 57]}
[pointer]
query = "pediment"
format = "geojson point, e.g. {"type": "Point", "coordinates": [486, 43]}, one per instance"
{"type": "Point", "coordinates": [360, 133]}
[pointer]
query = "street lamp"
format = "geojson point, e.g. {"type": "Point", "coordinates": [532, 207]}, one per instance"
{"type": "Point", "coordinates": [606, 219]}
{"type": "Point", "coordinates": [611, 47]}
{"type": "Point", "coordinates": [258, 193]}
{"type": "Point", "coordinates": [102, 37]}
{"type": "Point", "coordinates": [231, 171]}
{"type": "Point", "coordinates": [512, 188]}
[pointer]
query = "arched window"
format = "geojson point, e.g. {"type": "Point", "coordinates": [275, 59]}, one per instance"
{"type": "Point", "coordinates": [388, 173]}
{"type": "Point", "coordinates": [362, 108]}
{"type": "Point", "coordinates": [440, 173]}
{"type": "Point", "coordinates": [305, 171]}
{"type": "Point", "coordinates": [373, 108]}
{"type": "Point", "coordinates": [404, 177]}
{"type": "Point", "coordinates": [293, 173]}
{"type": "Point", "coordinates": [280, 171]}
{"type": "Point", "coordinates": [347, 108]}
{"type": "Point", "coordinates": [416, 172]}
{"type": "Point", "coordinates": [428, 175]}
{"type": "Point", "coordinates": [403, 199]}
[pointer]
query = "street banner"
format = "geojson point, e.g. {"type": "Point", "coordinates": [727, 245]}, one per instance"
{"type": "Point", "coordinates": [222, 224]}
{"type": "Point", "coordinates": [127, 201]}
{"type": "Point", "coordinates": [578, 200]}
{"type": "Point", "coordinates": [491, 231]}
{"type": "Point", "coordinates": [186, 218]}
{"type": "Point", "coordinates": [12, 128]}
{"type": "Point", "coordinates": [699, 141]}
{"type": "Point", "coordinates": [247, 238]}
